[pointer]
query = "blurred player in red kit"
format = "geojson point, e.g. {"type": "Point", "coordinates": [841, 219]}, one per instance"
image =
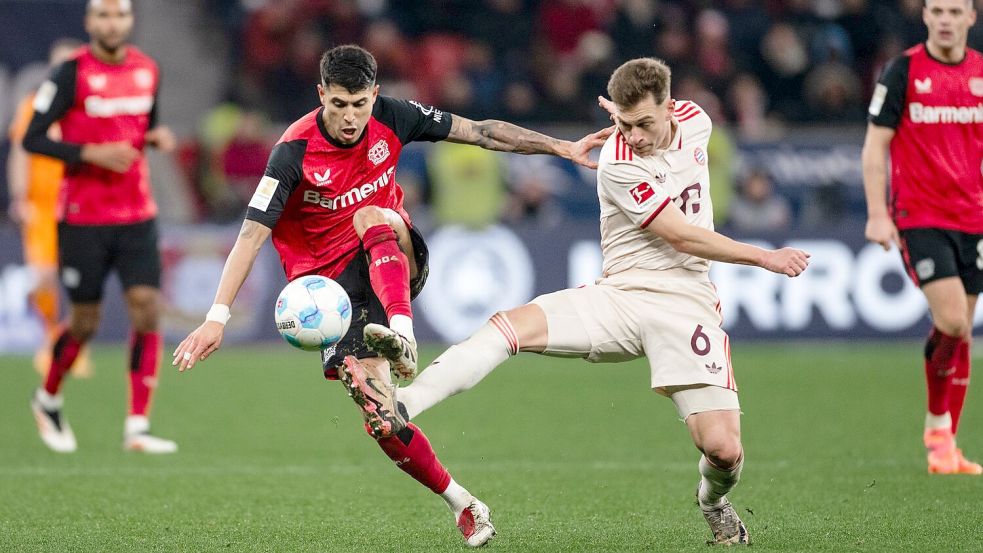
{"type": "Point", "coordinates": [330, 200]}
{"type": "Point", "coordinates": [104, 100]}
{"type": "Point", "coordinates": [927, 112]}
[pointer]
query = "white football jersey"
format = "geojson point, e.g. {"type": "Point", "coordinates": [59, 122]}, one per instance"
{"type": "Point", "coordinates": [633, 190]}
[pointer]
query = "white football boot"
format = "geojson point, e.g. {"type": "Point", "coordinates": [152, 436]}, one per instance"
{"type": "Point", "coordinates": [54, 430]}
{"type": "Point", "coordinates": [475, 524]}
{"type": "Point", "coordinates": [137, 437]}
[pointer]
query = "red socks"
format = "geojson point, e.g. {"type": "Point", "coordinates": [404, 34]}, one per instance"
{"type": "Point", "coordinates": [145, 353]}
{"type": "Point", "coordinates": [960, 383]}
{"type": "Point", "coordinates": [65, 350]}
{"type": "Point", "coordinates": [412, 453]}
{"type": "Point", "coordinates": [389, 270]}
{"type": "Point", "coordinates": [940, 354]}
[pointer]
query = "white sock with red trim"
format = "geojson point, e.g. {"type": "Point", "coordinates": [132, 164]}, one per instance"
{"type": "Point", "coordinates": [461, 366]}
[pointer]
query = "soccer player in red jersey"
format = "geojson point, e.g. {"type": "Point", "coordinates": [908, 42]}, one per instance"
{"type": "Point", "coordinates": [331, 202]}
{"type": "Point", "coordinates": [104, 100]}
{"type": "Point", "coordinates": [927, 112]}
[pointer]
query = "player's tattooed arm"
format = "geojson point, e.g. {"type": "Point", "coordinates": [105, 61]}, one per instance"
{"type": "Point", "coordinates": [506, 137]}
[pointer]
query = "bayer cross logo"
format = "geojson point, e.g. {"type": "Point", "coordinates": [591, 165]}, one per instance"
{"type": "Point", "coordinates": [379, 152]}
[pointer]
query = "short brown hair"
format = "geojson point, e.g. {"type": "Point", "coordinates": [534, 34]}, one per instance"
{"type": "Point", "coordinates": [631, 82]}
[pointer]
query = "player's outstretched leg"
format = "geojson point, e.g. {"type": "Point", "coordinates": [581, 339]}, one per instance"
{"type": "Point", "coordinates": [399, 350]}
{"type": "Point", "coordinates": [375, 396]}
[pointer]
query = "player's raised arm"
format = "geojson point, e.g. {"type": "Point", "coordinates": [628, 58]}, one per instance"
{"type": "Point", "coordinates": [500, 136]}
{"type": "Point", "coordinates": [691, 239]}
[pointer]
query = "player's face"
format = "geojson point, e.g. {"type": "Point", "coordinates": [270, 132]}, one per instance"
{"type": "Point", "coordinates": [646, 126]}
{"type": "Point", "coordinates": [346, 113]}
{"type": "Point", "coordinates": [948, 22]}
{"type": "Point", "coordinates": [109, 23]}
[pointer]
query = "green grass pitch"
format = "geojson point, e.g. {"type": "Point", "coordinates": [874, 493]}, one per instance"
{"type": "Point", "coordinates": [569, 456]}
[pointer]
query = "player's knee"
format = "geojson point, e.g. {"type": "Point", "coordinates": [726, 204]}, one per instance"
{"type": "Point", "coordinates": [83, 328]}
{"type": "Point", "coordinates": [725, 453]}
{"type": "Point", "coordinates": [367, 217]}
{"type": "Point", "coordinates": [953, 324]}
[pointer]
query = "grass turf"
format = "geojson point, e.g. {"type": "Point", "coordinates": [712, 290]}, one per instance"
{"type": "Point", "coordinates": [570, 457]}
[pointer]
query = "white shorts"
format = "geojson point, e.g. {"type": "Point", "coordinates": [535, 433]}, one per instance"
{"type": "Point", "coordinates": [672, 317]}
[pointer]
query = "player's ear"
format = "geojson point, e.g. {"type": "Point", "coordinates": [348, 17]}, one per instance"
{"type": "Point", "coordinates": [375, 93]}
{"type": "Point", "coordinates": [670, 108]}
{"type": "Point", "coordinates": [321, 93]}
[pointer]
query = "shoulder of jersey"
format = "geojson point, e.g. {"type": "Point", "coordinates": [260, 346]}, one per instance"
{"type": "Point", "coordinates": [920, 47]}
{"type": "Point", "coordinates": [615, 151]}
{"type": "Point", "coordinates": [140, 56]}
{"type": "Point", "coordinates": [692, 119]}
{"type": "Point", "coordinates": [302, 128]}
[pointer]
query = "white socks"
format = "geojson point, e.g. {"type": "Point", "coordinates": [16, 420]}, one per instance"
{"type": "Point", "coordinates": [460, 367]}
{"type": "Point", "coordinates": [404, 326]}
{"type": "Point", "coordinates": [457, 497]}
{"type": "Point", "coordinates": [136, 424]}
{"type": "Point", "coordinates": [716, 482]}
{"type": "Point", "coordinates": [938, 421]}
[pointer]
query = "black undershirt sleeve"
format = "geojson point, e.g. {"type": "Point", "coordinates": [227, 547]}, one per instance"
{"type": "Point", "coordinates": [52, 101]}
{"type": "Point", "coordinates": [285, 168]}
{"type": "Point", "coordinates": [411, 120]}
{"type": "Point", "coordinates": [887, 104]}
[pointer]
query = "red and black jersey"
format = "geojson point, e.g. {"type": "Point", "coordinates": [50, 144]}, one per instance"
{"type": "Point", "coordinates": [96, 102]}
{"type": "Point", "coordinates": [937, 152]}
{"type": "Point", "coordinates": [313, 184]}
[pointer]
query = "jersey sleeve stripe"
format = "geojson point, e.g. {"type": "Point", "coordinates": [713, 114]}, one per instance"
{"type": "Point", "coordinates": [684, 106]}
{"type": "Point", "coordinates": [658, 210]}
{"type": "Point", "coordinates": [689, 116]}
{"type": "Point", "coordinates": [685, 111]}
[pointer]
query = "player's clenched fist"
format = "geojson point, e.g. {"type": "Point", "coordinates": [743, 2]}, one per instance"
{"type": "Point", "coordinates": [198, 345]}
{"type": "Point", "coordinates": [786, 261]}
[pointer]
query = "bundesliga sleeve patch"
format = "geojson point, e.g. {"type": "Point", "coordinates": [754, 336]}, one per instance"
{"type": "Point", "coordinates": [44, 97]}
{"type": "Point", "coordinates": [642, 193]}
{"type": "Point", "coordinates": [877, 100]}
{"type": "Point", "coordinates": [264, 193]}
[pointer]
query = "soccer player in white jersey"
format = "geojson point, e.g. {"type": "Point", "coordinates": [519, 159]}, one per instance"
{"type": "Point", "coordinates": [653, 300]}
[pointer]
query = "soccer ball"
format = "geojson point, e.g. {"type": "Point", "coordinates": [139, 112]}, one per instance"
{"type": "Point", "coordinates": [313, 313]}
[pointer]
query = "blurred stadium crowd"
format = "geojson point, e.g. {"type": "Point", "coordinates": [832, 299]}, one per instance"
{"type": "Point", "coordinates": [759, 67]}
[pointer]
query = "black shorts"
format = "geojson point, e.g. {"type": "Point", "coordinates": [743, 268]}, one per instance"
{"type": "Point", "coordinates": [86, 254]}
{"type": "Point", "coordinates": [931, 254]}
{"type": "Point", "coordinates": [366, 307]}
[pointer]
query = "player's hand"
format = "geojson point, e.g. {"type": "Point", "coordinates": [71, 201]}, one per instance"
{"type": "Point", "coordinates": [580, 151]}
{"type": "Point", "coordinates": [198, 345]}
{"type": "Point", "coordinates": [20, 211]}
{"type": "Point", "coordinates": [115, 156]}
{"type": "Point", "coordinates": [786, 261]}
{"type": "Point", "coordinates": [881, 229]}
{"type": "Point", "coordinates": [162, 138]}
{"type": "Point", "coordinates": [608, 106]}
